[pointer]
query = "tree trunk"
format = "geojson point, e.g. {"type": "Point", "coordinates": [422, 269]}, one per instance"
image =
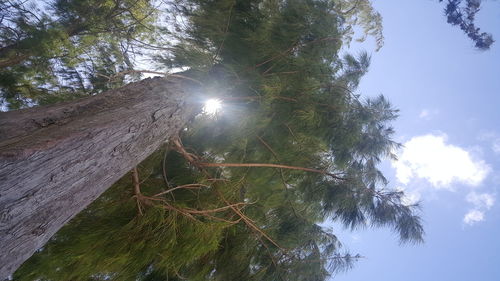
{"type": "Point", "coordinates": [56, 160]}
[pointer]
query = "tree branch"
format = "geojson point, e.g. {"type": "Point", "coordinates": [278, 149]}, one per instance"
{"type": "Point", "coordinates": [137, 189]}
{"type": "Point", "coordinates": [270, 166]}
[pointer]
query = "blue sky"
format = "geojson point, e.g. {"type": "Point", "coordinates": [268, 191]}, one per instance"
{"type": "Point", "coordinates": [449, 97]}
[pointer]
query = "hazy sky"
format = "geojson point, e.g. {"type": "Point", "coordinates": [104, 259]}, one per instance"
{"type": "Point", "coordinates": [449, 97]}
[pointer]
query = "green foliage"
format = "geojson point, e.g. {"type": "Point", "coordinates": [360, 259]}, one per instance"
{"type": "Point", "coordinates": [464, 16]}
{"type": "Point", "coordinates": [288, 100]}
{"type": "Point", "coordinates": [66, 48]}
{"type": "Point", "coordinates": [110, 239]}
{"type": "Point", "coordinates": [361, 13]}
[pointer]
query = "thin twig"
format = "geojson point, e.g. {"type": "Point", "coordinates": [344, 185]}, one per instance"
{"type": "Point", "coordinates": [185, 186]}
{"type": "Point", "coordinates": [250, 223]}
{"type": "Point", "coordinates": [166, 74]}
{"type": "Point", "coordinates": [270, 166]}
{"type": "Point", "coordinates": [282, 174]}
{"type": "Point", "coordinates": [137, 189]}
{"type": "Point", "coordinates": [164, 167]}
{"type": "Point", "coordinates": [225, 35]}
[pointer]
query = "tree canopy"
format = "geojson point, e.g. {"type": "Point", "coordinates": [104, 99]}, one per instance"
{"type": "Point", "coordinates": [240, 195]}
{"type": "Point", "coordinates": [464, 16]}
{"type": "Point", "coordinates": [57, 50]}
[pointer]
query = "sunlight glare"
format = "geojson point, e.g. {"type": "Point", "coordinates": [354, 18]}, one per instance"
{"type": "Point", "coordinates": [212, 106]}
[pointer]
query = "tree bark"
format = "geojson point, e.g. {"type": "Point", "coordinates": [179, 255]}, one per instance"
{"type": "Point", "coordinates": [56, 160]}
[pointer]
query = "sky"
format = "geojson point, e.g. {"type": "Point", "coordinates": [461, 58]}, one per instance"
{"type": "Point", "coordinates": [448, 94]}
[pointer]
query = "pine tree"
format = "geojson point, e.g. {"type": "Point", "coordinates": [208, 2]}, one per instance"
{"type": "Point", "coordinates": [242, 196]}
{"type": "Point", "coordinates": [56, 160]}
{"type": "Point", "coordinates": [464, 17]}
{"type": "Point", "coordinates": [67, 49]}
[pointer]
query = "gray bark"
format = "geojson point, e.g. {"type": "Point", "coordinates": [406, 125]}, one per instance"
{"type": "Point", "coordinates": [56, 160]}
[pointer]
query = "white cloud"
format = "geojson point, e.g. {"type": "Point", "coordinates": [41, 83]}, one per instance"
{"type": "Point", "coordinates": [481, 203]}
{"type": "Point", "coordinates": [427, 114]}
{"type": "Point", "coordinates": [481, 200]}
{"type": "Point", "coordinates": [429, 157]}
{"type": "Point", "coordinates": [493, 138]}
{"type": "Point", "coordinates": [473, 216]}
{"type": "Point", "coordinates": [356, 238]}
{"type": "Point", "coordinates": [424, 114]}
{"type": "Point", "coordinates": [410, 196]}
{"type": "Point", "coordinates": [446, 167]}
{"type": "Point", "coordinates": [495, 146]}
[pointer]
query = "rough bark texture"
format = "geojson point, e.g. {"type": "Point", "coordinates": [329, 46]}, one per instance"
{"type": "Point", "coordinates": [56, 160]}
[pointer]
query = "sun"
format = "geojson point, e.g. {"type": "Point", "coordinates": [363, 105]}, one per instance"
{"type": "Point", "coordinates": [212, 106]}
